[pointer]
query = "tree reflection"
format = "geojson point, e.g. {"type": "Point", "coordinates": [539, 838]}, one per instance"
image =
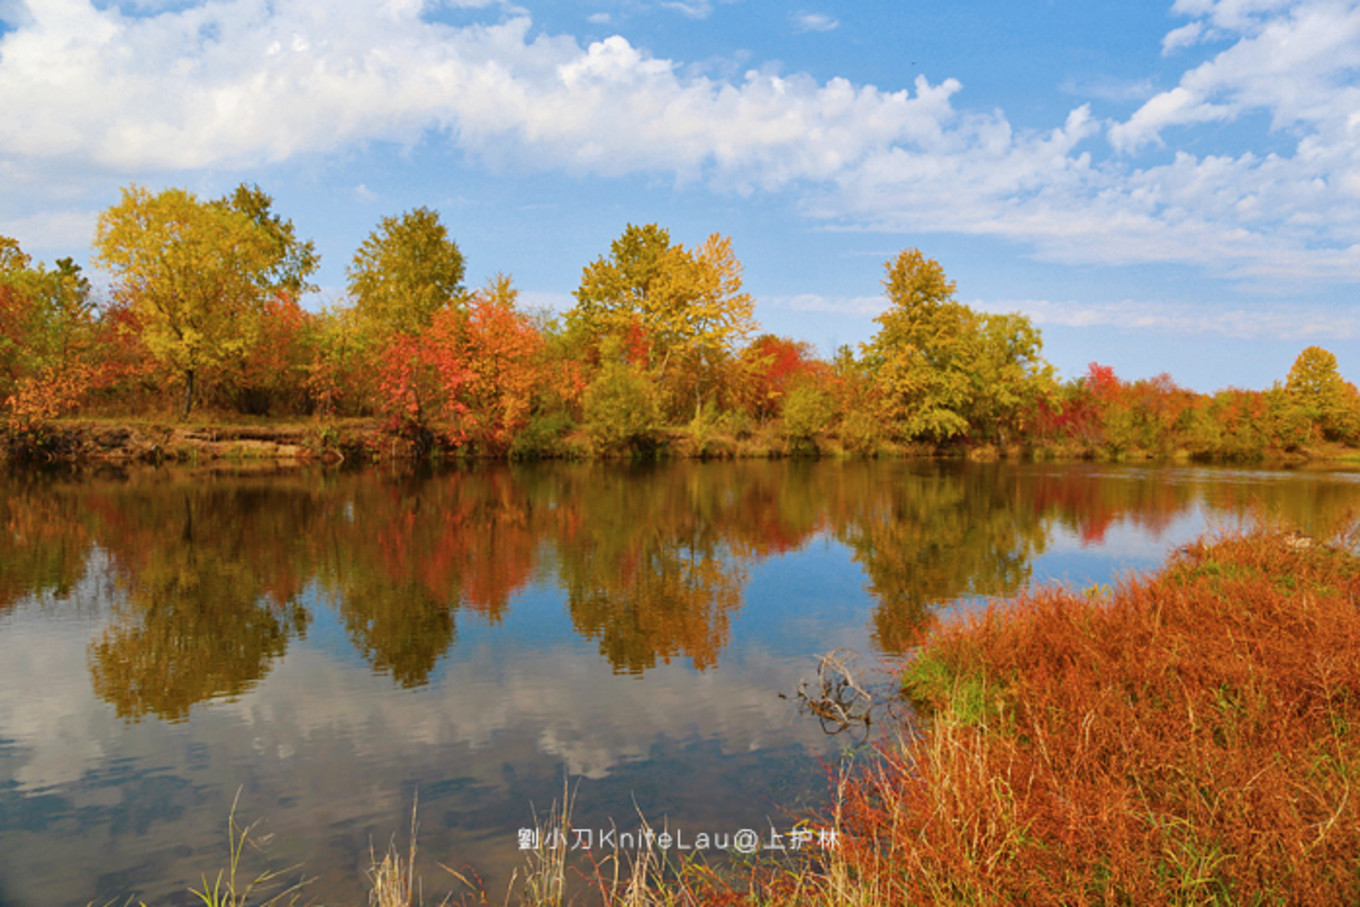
{"type": "Point", "coordinates": [196, 622]}
{"type": "Point", "coordinates": [45, 537]}
{"type": "Point", "coordinates": [928, 535]}
{"type": "Point", "coordinates": [399, 627]}
{"type": "Point", "coordinates": [645, 566]}
{"type": "Point", "coordinates": [217, 574]}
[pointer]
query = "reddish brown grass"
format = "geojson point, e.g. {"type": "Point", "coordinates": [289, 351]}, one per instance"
{"type": "Point", "coordinates": [1193, 737]}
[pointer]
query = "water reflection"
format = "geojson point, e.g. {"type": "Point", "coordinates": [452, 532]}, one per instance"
{"type": "Point", "coordinates": [652, 563]}
{"type": "Point", "coordinates": [334, 641]}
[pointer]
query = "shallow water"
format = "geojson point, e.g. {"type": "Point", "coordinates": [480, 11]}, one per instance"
{"type": "Point", "coordinates": [332, 645]}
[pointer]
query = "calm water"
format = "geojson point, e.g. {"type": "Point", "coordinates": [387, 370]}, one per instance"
{"type": "Point", "coordinates": [331, 644]}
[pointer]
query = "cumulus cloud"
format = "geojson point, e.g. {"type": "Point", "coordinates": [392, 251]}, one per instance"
{"type": "Point", "coordinates": [240, 83]}
{"type": "Point", "coordinates": [1298, 66]}
{"type": "Point", "coordinates": [1185, 36]}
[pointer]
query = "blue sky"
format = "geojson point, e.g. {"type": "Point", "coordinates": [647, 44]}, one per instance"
{"type": "Point", "coordinates": [1160, 186]}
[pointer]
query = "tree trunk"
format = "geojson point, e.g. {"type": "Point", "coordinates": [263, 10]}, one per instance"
{"type": "Point", "coordinates": [188, 392]}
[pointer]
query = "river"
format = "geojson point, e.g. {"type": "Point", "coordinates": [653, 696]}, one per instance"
{"type": "Point", "coordinates": [324, 647]}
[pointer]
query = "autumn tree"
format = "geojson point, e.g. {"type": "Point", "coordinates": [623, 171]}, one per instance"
{"type": "Point", "coordinates": [1010, 377]}
{"type": "Point", "coordinates": [1317, 387]}
{"type": "Point", "coordinates": [943, 369]}
{"type": "Point", "coordinates": [292, 261]}
{"type": "Point", "coordinates": [405, 271]}
{"type": "Point", "coordinates": [772, 367]}
{"type": "Point", "coordinates": [47, 328]}
{"type": "Point", "coordinates": [686, 306]}
{"type": "Point", "coordinates": [920, 354]}
{"type": "Point", "coordinates": [196, 273]}
{"type": "Point", "coordinates": [503, 351]}
{"type": "Point", "coordinates": [273, 371]}
{"type": "Point", "coordinates": [12, 257]}
{"type": "Point", "coordinates": [620, 404]}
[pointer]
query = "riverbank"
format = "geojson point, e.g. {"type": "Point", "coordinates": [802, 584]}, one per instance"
{"type": "Point", "coordinates": [358, 441]}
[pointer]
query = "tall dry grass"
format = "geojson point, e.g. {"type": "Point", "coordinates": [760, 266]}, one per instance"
{"type": "Point", "coordinates": [1193, 737]}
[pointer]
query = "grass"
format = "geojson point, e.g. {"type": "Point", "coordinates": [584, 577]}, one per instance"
{"type": "Point", "coordinates": [1188, 738]}
{"type": "Point", "coordinates": [233, 887]}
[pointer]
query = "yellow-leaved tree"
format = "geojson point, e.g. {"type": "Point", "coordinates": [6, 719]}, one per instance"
{"type": "Point", "coordinates": [1329, 401]}
{"type": "Point", "coordinates": [680, 311]}
{"type": "Point", "coordinates": [943, 370]}
{"type": "Point", "coordinates": [406, 270]}
{"type": "Point", "coordinates": [196, 274]}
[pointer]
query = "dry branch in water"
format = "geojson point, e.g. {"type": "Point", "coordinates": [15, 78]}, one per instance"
{"type": "Point", "coordinates": [839, 701]}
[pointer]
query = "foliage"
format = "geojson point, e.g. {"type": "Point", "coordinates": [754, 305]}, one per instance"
{"type": "Point", "coordinates": [405, 271]}
{"type": "Point", "coordinates": [418, 380]}
{"type": "Point", "coordinates": [620, 406]}
{"type": "Point", "coordinates": [682, 311]}
{"type": "Point", "coordinates": [47, 338]}
{"type": "Point", "coordinates": [271, 376]}
{"type": "Point", "coordinates": [503, 350]}
{"type": "Point", "coordinates": [1328, 401]}
{"type": "Point", "coordinates": [1010, 378]}
{"type": "Point", "coordinates": [341, 375]}
{"type": "Point", "coordinates": [772, 367]}
{"type": "Point", "coordinates": [920, 352]}
{"type": "Point", "coordinates": [808, 411]}
{"type": "Point", "coordinates": [195, 273]}
{"type": "Point", "coordinates": [1180, 741]}
{"type": "Point", "coordinates": [206, 303]}
{"type": "Point", "coordinates": [470, 377]}
{"type": "Point", "coordinates": [944, 370]}
{"type": "Point", "coordinates": [292, 262]}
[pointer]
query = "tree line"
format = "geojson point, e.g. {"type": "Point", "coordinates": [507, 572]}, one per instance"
{"type": "Point", "coordinates": [660, 347]}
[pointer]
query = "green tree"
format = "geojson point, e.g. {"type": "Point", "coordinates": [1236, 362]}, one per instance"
{"type": "Point", "coordinates": [47, 327]}
{"type": "Point", "coordinates": [620, 406]}
{"type": "Point", "coordinates": [405, 271]}
{"type": "Point", "coordinates": [807, 411]}
{"type": "Point", "coordinates": [1010, 377]}
{"type": "Point", "coordinates": [195, 273]}
{"type": "Point", "coordinates": [616, 290]}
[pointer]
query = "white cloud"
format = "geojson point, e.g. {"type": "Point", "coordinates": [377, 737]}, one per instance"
{"type": "Point", "coordinates": [1298, 323]}
{"type": "Point", "coordinates": [53, 229]}
{"type": "Point", "coordinates": [1109, 89]}
{"type": "Point", "coordinates": [694, 9]}
{"type": "Point", "coordinates": [1297, 66]}
{"type": "Point", "coordinates": [814, 22]}
{"type": "Point", "coordinates": [1185, 36]}
{"type": "Point", "coordinates": [239, 83]}
{"type": "Point", "coordinates": [841, 305]}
